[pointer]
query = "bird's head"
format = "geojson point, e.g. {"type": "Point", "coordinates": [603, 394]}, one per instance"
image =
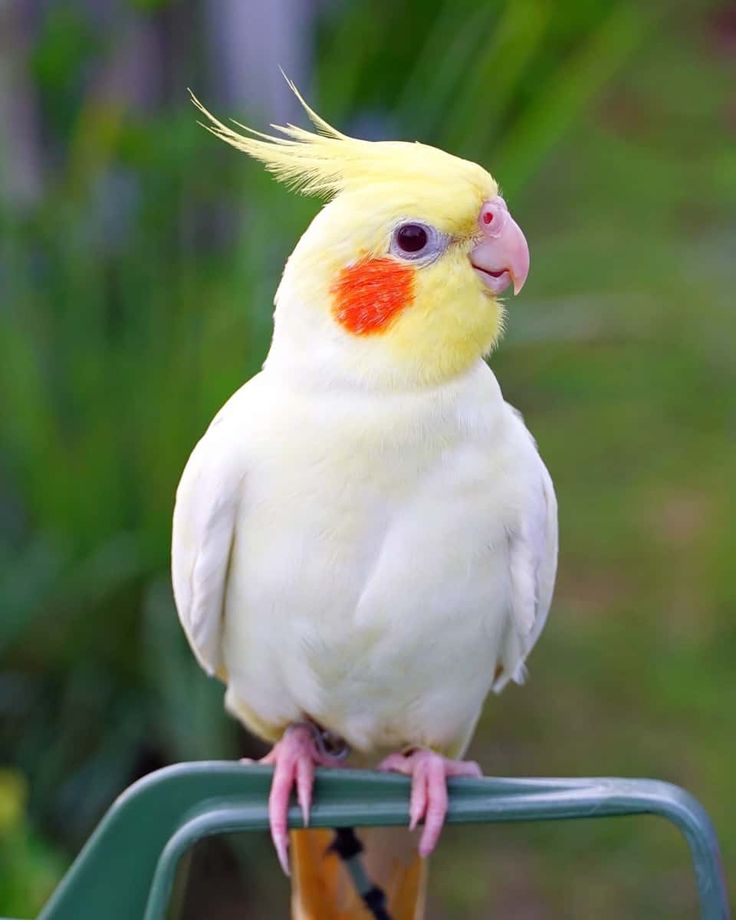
{"type": "Point", "coordinates": [397, 279]}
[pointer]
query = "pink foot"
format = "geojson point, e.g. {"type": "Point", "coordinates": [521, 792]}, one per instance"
{"type": "Point", "coordinates": [429, 773]}
{"type": "Point", "coordinates": [294, 758]}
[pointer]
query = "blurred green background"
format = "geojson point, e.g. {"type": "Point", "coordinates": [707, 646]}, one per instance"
{"type": "Point", "coordinates": [138, 260]}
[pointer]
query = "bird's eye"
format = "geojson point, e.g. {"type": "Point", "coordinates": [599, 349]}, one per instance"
{"type": "Point", "coordinates": [417, 242]}
{"type": "Point", "coordinates": [411, 238]}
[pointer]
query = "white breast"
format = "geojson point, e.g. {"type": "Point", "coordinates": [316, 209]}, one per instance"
{"type": "Point", "coordinates": [369, 579]}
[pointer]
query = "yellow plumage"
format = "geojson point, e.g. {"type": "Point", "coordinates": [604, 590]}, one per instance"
{"type": "Point", "coordinates": [326, 162]}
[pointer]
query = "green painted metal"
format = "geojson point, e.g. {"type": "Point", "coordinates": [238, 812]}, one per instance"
{"type": "Point", "coordinates": [126, 869]}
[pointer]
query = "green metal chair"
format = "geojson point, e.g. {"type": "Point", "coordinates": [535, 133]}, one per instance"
{"type": "Point", "coordinates": [126, 870]}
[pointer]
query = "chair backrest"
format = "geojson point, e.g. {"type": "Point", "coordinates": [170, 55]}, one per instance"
{"type": "Point", "coordinates": [126, 870]}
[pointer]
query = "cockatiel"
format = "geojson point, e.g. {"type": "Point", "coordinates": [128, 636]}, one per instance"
{"type": "Point", "coordinates": [365, 538]}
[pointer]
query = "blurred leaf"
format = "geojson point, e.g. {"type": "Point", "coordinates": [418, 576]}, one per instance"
{"type": "Point", "coordinates": [494, 79]}
{"type": "Point", "coordinates": [29, 869]}
{"type": "Point", "coordinates": [13, 795]}
{"type": "Point", "coordinates": [441, 65]}
{"type": "Point", "coordinates": [576, 81]}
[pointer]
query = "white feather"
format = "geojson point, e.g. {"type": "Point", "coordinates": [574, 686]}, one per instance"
{"type": "Point", "coordinates": [203, 532]}
{"type": "Point", "coordinates": [368, 559]}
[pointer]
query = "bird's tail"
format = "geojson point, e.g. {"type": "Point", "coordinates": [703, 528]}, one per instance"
{"type": "Point", "coordinates": [337, 876]}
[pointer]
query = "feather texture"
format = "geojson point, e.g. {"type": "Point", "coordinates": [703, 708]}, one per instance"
{"type": "Point", "coordinates": [203, 533]}
{"type": "Point", "coordinates": [370, 580]}
{"type": "Point", "coordinates": [325, 162]}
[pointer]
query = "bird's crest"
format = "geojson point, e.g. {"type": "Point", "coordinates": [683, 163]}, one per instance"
{"type": "Point", "coordinates": [325, 162]}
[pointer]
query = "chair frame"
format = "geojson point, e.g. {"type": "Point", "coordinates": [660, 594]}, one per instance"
{"type": "Point", "coordinates": [127, 868]}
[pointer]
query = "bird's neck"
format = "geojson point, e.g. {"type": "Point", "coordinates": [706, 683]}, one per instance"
{"type": "Point", "coordinates": [310, 348]}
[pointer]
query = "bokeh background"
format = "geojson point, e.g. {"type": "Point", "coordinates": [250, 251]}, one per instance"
{"type": "Point", "coordinates": [138, 260]}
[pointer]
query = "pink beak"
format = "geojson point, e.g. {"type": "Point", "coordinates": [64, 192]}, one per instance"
{"type": "Point", "coordinates": [501, 257]}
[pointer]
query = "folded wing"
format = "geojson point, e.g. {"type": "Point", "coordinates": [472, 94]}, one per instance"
{"type": "Point", "coordinates": [202, 539]}
{"type": "Point", "coordinates": [532, 569]}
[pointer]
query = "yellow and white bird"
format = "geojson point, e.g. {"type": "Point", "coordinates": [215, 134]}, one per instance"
{"type": "Point", "coordinates": [365, 538]}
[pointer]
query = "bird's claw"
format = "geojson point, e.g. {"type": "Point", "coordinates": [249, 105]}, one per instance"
{"type": "Point", "coordinates": [293, 758]}
{"type": "Point", "coordinates": [429, 773]}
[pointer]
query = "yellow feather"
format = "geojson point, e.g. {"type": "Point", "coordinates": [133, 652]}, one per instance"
{"type": "Point", "coordinates": [374, 185]}
{"type": "Point", "coordinates": [325, 162]}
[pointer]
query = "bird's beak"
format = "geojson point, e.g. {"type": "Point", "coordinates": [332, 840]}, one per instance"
{"type": "Point", "coordinates": [502, 256]}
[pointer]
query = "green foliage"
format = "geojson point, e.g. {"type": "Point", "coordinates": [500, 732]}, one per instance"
{"type": "Point", "coordinates": [29, 868]}
{"type": "Point", "coordinates": [136, 298]}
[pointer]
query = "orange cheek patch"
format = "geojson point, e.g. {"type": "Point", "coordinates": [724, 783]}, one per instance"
{"type": "Point", "coordinates": [370, 294]}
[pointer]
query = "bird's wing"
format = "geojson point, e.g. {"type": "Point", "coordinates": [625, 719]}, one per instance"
{"type": "Point", "coordinates": [202, 538]}
{"type": "Point", "coordinates": [532, 569]}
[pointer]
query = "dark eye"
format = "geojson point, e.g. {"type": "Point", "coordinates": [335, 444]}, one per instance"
{"type": "Point", "coordinates": [418, 242]}
{"type": "Point", "coordinates": [411, 238]}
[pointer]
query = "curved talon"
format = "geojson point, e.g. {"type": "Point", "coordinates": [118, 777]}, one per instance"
{"type": "Point", "coordinates": [429, 772]}
{"type": "Point", "coordinates": [293, 758]}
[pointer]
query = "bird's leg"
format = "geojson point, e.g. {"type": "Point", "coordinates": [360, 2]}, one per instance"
{"type": "Point", "coordinates": [429, 773]}
{"type": "Point", "coordinates": [302, 747]}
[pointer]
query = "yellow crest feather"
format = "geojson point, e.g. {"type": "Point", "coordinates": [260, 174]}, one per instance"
{"type": "Point", "coordinates": [324, 162]}
{"type": "Point", "coordinates": [314, 163]}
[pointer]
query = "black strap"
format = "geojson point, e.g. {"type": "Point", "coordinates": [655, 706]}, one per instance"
{"type": "Point", "coordinates": [348, 847]}
{"type": "Point", "coordinates": [375, 901]}
{"type": "Point", "coordinates": [346, 843]}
